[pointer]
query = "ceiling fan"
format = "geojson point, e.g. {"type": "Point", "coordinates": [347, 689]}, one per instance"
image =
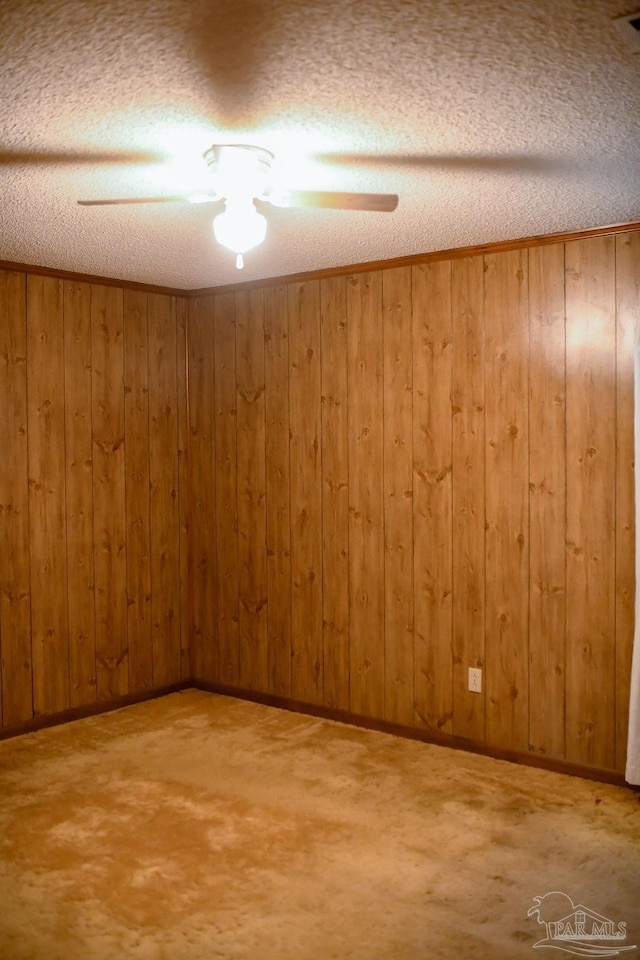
{"type": "Point", "coordinates": [240, 177]}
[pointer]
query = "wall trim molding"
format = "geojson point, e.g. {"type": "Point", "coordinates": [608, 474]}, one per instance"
{"type": "Point", "coordinates": [30, 268]}
{"type": "Point", "coordinates": [497, 246]}
{"type": "Point", "coordinates": [90, 710]}
{"type": "Point", "coordinates": [455, 253]}
{"type": "Point", "coordinates": [553, 764]}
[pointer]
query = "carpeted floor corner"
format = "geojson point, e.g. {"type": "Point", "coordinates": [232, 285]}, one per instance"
{"type": "Point", "coordinates": [197, 827]}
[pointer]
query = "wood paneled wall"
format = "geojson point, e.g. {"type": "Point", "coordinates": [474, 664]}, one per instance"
{"type": "Point", "coordinates": [93, 494]}
{"type": "Point", "coordinates": [392, 476]}
{"type": "Point", "coordinates": [400, 474]}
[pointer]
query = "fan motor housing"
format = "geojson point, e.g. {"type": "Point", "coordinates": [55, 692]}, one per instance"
{"type": "Point", "coordinates": [239, 167]}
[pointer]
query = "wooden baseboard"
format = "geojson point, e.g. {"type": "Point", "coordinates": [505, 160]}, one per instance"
{"type": "Point", "coordinates": [554, 764]}
{"type": "Point", "coordinates": [91, 710]}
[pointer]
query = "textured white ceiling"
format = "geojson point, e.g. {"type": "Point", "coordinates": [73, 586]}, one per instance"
{"type": "Point", "coordinates": [491, 120]}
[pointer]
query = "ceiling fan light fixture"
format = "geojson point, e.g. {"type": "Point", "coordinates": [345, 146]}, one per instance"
{"type": "Point", "coordinates": [240, 227]}
{"type": "Point", "coordinates": [240, 175]}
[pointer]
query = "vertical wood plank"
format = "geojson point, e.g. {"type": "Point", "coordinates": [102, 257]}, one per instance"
{"type": "Point", "coordinates": [15, 585]}
{"type": "Point", "coordinates": [398, 494]}
{"type": "Point", "coordinates": [507, 499]}
{"type": "Point", "coordinates": [468, 396]}
{"type": "Point", "coordinates": [547, 501]}
{"type": "Point", "coordinates": [335, 492]}
{"type": "Point", "coordinates": [136, 412]}
{"type": "Point", "coordinates": [79, 492]}
{"type": "Point", "coordinates": [627, 305]}
{"type": "Point", "coordinates": [45, 397]}
{"type": "Point", "coordinates": [252, 554]}
{"type": "Point", "coordinates": [276, 332]}
{"type": "Point", "coordinates": [305, 403]}
{"type": "Point", "coordinates": [226, 487]}
{"type": "Point", "coordinates": [163, 503]}
{"type": "Point", "coordinates": [203, 568]}
{"type": "Point", "coordinates": [107, 400]}
{"type": "Point", "coordinates": [366, 509]}
{"type": "Point", "coordinates": [591, 455]}
{"type": "Point", "coordinates": [183, 483]}
{"type": "Point", "coordinates": [432, 430]}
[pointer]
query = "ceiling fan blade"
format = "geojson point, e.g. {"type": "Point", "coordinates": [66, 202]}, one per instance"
{"type": "Point", "coordinates": [113, 203]}
{"type": "Point", "coordinates": [375, 202]}
{"type": "Point", "coordinates": [121, 200]}
{"type": "Point", "coordinates": [234, 44]}
{"type": "Point", "coordinates": [56, 157]}
{"type": "Point", "coordinates": [509, 163]}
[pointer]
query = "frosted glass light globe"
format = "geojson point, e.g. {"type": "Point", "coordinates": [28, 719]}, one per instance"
{"type": "Point", "coordinates": [240, 227]}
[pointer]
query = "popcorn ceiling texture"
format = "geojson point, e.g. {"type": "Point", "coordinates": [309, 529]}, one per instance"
{"type": "Point", "coordinates": [491, 120]}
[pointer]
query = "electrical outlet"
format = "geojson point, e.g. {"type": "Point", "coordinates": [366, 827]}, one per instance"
{"type": "Point", "coordinates": [475, 680]}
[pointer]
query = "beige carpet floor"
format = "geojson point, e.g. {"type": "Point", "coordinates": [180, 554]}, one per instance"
{"type": "Point", "coordinates": [198, 827]}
